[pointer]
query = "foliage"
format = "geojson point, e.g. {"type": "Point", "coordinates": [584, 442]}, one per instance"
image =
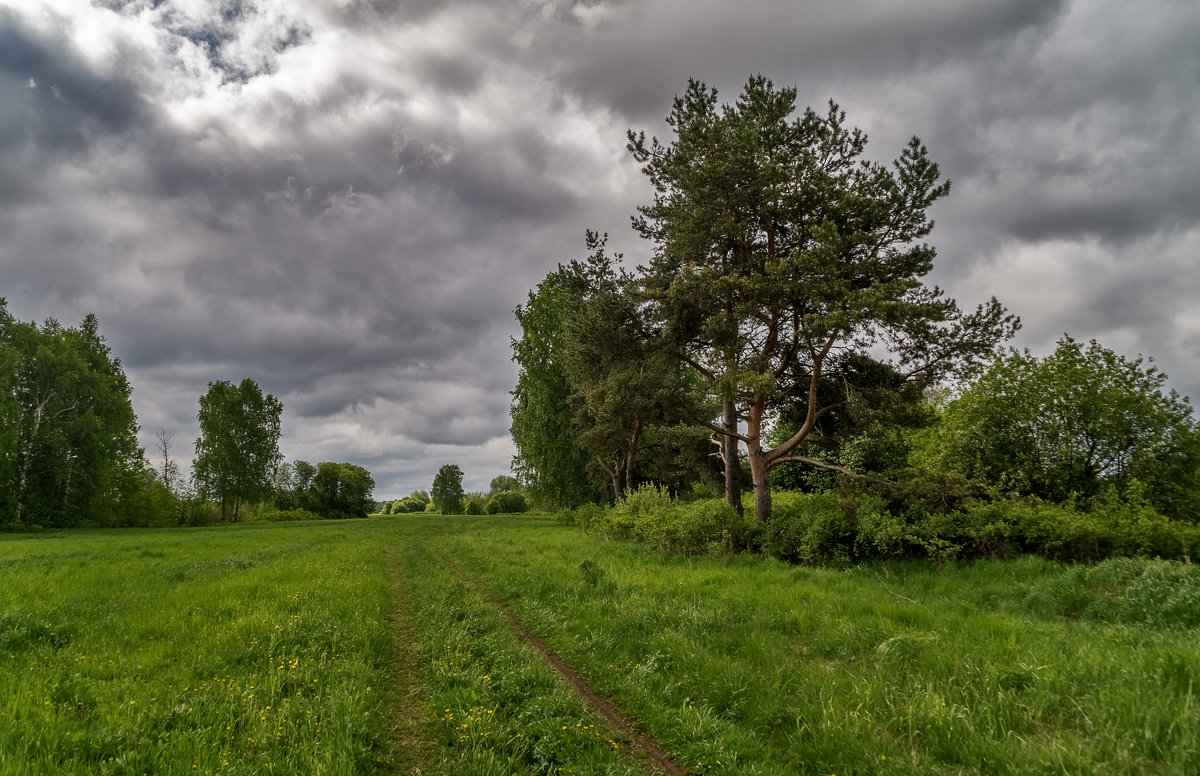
{"type": "Point", "coordinates": [238, 449]}
{"type": "Point", "coordinates": [504, 483]}
{"type": "Point", "coordinates": [923, 516]}
{"type": "Point", "coordinates": [447, 492]}
{"type": "Point", "coordinates": [1070, 423]}
{"type": "Point", "coordinates": [652, 516]}
{"type": "Point", "coordinates": [332, 490]}
{"type": "Point", "coordinates": [506, 503]}
{"type": "Point", "coordinates": [341, 490]}
{"type": "Point", "coordinates": [408, 505]}
{"type": "Point", "coordinates": [549, 459]}
{"type": "Point", "coordinates": [68, 447]}
{"type": "Point", "coordinates": [628, 383]}
{"type": "Point", "coordinates": [474, 504]}
{"type": "Point", "coordinates": [782, 259]}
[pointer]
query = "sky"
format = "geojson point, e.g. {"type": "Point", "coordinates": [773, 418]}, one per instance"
{"type": "Point", "coordinates": [345, 200]}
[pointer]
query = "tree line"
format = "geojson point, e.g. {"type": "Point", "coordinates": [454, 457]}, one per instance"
{"type": "Point", "coordinates": [69, 454]}
{"type": "Point", "coordinates": [505, 496]}
{"type": "Point", "coordinates": [783, 333]}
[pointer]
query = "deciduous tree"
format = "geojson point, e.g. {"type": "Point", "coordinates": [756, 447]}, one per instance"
{"type": "Point", "coordinates": [1071, 422]}
{"type": "Point", "coordinates": [447, 491]}
{"type": "Point", "coordinates": [68, 440]}
{"type": "Point", "coordinates": [238, 448]}
{"type": "Point", "coordinates": [549, 458]}
{"type": "Point", "coordinates": [341, 490]}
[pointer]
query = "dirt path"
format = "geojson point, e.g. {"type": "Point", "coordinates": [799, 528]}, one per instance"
{"type": "Point", "coordinates": [644, 748]}
{"type": "Point", "coordinates": [412, 748]}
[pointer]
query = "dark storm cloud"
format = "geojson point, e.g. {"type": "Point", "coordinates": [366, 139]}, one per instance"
{"type": "Point", "coordinates": [345, 199]}
{"type": "Point", "coordinates": [632, 56]}
{"type": "Point", "coordinates": [53, 104]}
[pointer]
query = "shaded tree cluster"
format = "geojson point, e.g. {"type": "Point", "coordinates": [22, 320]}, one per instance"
{"type": "Point", "coordinates": [68, 433]}
{"type": "Point", "coordinates": [331, 490]}
{"type": "Point", "coordinates": [1071, 424]}
{"type": "Point", "coordinates": [786, 281]}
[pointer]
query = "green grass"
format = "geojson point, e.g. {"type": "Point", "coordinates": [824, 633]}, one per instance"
{"type": "Point", "coordinates": [753, 666]}
{"type": "Point", "coordinates": [281, 648]}
{"type": "Point", "coordinates": [260, 649]}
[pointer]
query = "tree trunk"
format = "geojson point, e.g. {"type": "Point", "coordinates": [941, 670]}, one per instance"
{"type": "Point", "coordinates": [760, 467]}
{"type": "Point", "coordinates": [761, 474]}
{"type": "Point", "coordinates": [631, 456]}
{"type": "Point", "coordinates": [729, 455]}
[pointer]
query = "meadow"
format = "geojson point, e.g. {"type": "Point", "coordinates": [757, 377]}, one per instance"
{"type": "Point", "coordinates": [375, 646]}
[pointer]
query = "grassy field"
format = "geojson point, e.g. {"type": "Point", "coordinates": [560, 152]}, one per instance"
{"type": "Point", "coordinates": [362, 647]}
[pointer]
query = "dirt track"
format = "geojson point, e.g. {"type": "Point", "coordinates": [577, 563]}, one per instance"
{"type": "Point", "coordinates": [644, 749]}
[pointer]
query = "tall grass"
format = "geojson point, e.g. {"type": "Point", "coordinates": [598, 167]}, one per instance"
{"type": "Point", "coordinates": [271, 648]}
{"type": "Point", "coordinates": [256, 649]}
{"type": "Point", "coordinates": [747, 665]}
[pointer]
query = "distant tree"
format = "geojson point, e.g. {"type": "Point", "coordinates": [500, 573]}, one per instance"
{"type": "Point", "coordinates": [447, 491]}
{"type": "Point", "coordinates": [420, 495]}
{"type": "Point", "coordinates": [68, 434]}
{"type": "Point", "coordinates": [168, 469]}
{"type": "Point", "coordinates": [506, 503]}
{"type": "Point", "coordinates": [504, 483]}
{"type": "Point", "coordinates": [474, 504]}
{"type": "Point", "coordinates": [1072, 422]}
{"type": "Point", "coordinates": [303, 473]}
{"type": "Point", "coordinates": [238, 448]}
{"type": "Point", "coordinates": [342, 490]}
{"type": "Point", "coordinates": [408, 505]}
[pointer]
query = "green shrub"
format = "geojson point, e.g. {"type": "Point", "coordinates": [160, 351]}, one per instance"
{"type": "Point", "coordinates": [941, 492]}
{"type": "Point", "coordinates": [408, 505]}
{"type": "Point", "coordinates": [811, 528]}
{"type": "Point", "coordinates": [586, 516]}
{"type": "Point", "coordinates": [647, 498]}
{"type": "Point", "coordinates": [691, 529]}
{"type": "Point", "coordinates": [507, 504]}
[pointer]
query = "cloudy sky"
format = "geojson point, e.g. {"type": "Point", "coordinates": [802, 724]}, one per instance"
{"type": "Point", "coordinates": [345, 199]}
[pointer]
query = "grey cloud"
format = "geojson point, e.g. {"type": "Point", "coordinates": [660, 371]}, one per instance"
{"type": "Point", "coordinates": [52, 101]}
{"type": "Point", "coordinates": [352, 215]}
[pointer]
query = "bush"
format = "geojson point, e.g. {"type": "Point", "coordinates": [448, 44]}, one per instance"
{"type": "Point", "coordinates": [693, 528]}
{"type": "Point", "coordinates": [586, 516]}
{"type": "Point", "coordinates": [509, 503]}
{"type": "Point", "coordinates": [811, 528]}
{"type": "Point", "coordinates": [408, 505]}
{"type": "Point", "coordinates": [941, 492]}
{"type": "Point", "coordinates": [943, 522]}
{"type": "Point", "coordinates": [647, 498]}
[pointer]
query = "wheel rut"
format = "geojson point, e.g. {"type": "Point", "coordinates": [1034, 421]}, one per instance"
{"type": "Point", "coordinates": [412, 748]}
{"type": "Point", "coordinates": [645, 749]}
